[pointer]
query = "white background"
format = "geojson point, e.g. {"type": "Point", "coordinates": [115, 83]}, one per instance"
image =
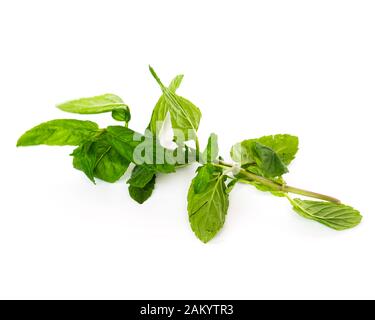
{"type": "Point", "coordinates": [254, 68]}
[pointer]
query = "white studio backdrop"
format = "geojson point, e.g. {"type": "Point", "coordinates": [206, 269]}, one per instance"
{"type": "Point", "coordinates": [254, 68]}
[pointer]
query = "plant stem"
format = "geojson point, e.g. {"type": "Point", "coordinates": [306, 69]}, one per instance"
{"type": "Point", "coordinates": [310, 194]}
{"type": "Point", "coordinates": [278, 186]}
{"type": "Point", "coordinates": [197, 148]}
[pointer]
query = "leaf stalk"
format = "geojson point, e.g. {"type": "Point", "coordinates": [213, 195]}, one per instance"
{"type": "Point", "coordinates": [278, 186]}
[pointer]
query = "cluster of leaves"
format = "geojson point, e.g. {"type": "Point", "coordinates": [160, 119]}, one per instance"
{"type": "Point", "coordinates": [107, 154]}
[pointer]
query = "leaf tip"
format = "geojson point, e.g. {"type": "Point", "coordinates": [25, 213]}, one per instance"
{"type": "Point", "coordinates": [152, 71]}
{"type": "Point", "coordinates": [156, 77]}
{"type": "Point", "coordinates": [21, 142]}
{"type": "Point", "coordinates": [204, 238]}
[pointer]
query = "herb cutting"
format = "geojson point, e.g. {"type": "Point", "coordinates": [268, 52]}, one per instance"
{"type": "Point", "coordinates": [107, 153]}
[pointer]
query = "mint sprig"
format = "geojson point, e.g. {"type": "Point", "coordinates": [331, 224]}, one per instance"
{"type": "Point", "coordinates": [107, 153]}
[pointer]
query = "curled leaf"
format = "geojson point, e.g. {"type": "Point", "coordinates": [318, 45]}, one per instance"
{"type": "Point", "coordinates": [99, 104]}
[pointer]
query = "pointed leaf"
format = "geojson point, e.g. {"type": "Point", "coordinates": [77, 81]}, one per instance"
{"type": "Point", "coordinates": [176, 82]}
{"type": "Point", "coordinates": [60, 132]}
{"type": "Point", "coordinates": [142, 194]}
{"type": "Point", "coordinates": [161, 108]}
{"type": "Point", "coordinates": [208, 207]}
{"type": "Point", "coordinates": [211, 152]}
{"type": "Point", "coordinates": [336, 216]}
{"type": "Point", "coordinates": [140, 176]}
{"type": "Point", "coordinates": [185, 116]}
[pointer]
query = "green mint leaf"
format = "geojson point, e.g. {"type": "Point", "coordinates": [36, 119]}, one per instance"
{"type": "Point", "coordinates": [99, 104]}
{"type": "Point", "coordinates": [161, 108]}
{"type": "Point", "coordinates": [84, 159]}
{"type": "Point", "coordinates": [211, 152]}
{"type": "Point", "coordinates": [100, 160]}
{"type": "Point", "coordinates": [335, 216]}
{"type": "Point", "coordinates": [141, 175]}
{"type": "Point", "coordinates": [258, 158]}
{"type": "Point", "coordinates": [176, 82]}
{"type": "Point", "coordinates": [208, 207]}
{"type": "Point", "coordinates": [121, 115]}
{"type": "Point", "coordinates": [242, 153]}
{"type": "Point", "coordinates": [205, 174]}
{"type": "Point", "coordinates": [60, 132]}
{"type": "Point", "coordinates": [285, 145]}
{"type": "Point", "coordinates": [142, 194]}
{"type": "Point", "coordinates": [111, 166]}
{"type": "Point", "coordinates": [125, 141]}
{"type": "Point", "coordinates": [141, 183]}
{"type": "Point", "coordinates": [185, 116]}
{"type": "Point", "coordinates": [268, 161]}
